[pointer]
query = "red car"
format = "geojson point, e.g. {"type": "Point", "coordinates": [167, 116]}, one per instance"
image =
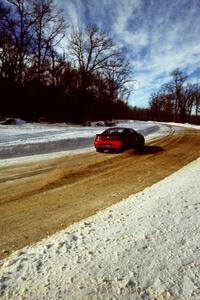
{"type": "Point", "coordinates": [118, 138]}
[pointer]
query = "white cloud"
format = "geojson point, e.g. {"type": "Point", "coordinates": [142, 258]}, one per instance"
{"type": "Point", "coordinates": [74, 11]}
{"type": "Point", "coordinates": [138, 39]}
{"type": "Point", "coordinates": [159, 35]}
{"type": "Point", "coordinates": [124, 12]}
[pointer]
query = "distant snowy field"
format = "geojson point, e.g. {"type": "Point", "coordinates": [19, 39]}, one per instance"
{"type": "Point", "coordinates": [26, 139]}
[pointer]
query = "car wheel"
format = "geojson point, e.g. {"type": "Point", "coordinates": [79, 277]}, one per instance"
{"type": "Point", "coordinates": [100, 150]}
{"type": "Point", "coordinates": [140, 144]}
{"type": "Point", "coordinates": [120, 150]}
{"type": "Point", "coordinates": [123, 147]}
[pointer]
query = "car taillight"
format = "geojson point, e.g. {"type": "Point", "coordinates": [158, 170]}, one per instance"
{"type": "Point", "coordinates": [99, 137]}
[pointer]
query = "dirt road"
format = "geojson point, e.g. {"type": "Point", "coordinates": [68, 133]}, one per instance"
{"type": "Point", "coordinates": [38, 199]}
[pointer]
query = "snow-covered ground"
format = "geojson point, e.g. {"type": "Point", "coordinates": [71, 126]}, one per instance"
{"type": "Point", "coordinates": [28, 139]}
{"type": "Point", "coordinates": [32, 133]}
{"type": "Point", "coordinates": [145, 247]}
{"type": "Point", "coordinates": [186, 125]}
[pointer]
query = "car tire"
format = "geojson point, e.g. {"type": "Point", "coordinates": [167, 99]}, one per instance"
{"type": "Point", "coordinates": [123, 148]}
{"type": "Point", "coordinates": [100, 150]}
{"type": "Point", "coordinates": [140, 144]}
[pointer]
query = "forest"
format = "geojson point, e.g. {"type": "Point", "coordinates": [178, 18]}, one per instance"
{"type": "Point", "coordinates": [51, 73]}
{"type": "Point", "coordinates": [177, 100]}
{"type": "Point", "coordinates": [47, 75]}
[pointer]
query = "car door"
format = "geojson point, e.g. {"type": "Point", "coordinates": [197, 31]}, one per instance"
{"type": "Point", "coordinates": [127, 138]}
{"type": "Point", "coordinates": [133, 138]}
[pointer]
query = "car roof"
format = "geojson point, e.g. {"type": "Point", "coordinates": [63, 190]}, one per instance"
{"type": "Point", "coordinates": [121, 128]}
{"type": "Point", "coordinates": [117, 129]}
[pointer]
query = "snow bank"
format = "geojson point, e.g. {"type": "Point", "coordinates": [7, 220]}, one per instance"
{"type": "Point", "coordinates": [145, 247]}
{"type": "Point", "coordinates": [12, 121]}
{"type": "Point", "coordinates": [38, 133]}
{"type": "Point", "coordinates": [12, 135]}
{"type": "Point", "coordinates": [35, 139]}
{"type": "Point", "coordinates": [186, 125]}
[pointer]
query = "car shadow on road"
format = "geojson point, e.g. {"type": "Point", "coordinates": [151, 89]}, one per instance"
{"type": "Point", "coordinates": [150, 150]}
{"type": "Point", "coordinates": [145, 150]}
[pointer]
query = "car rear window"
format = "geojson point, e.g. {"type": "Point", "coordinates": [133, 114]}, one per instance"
{"type": "Point", "coordinates": [113, 131]}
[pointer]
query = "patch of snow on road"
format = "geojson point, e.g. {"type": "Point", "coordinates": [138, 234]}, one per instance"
{"type": "Point", "coordinates": [145, 247]}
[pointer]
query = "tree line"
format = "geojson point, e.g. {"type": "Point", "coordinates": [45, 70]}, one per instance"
{"type": "Point", "coordinates": [177, 100]}
{"type": "Point", "coordinates": [48, 74]}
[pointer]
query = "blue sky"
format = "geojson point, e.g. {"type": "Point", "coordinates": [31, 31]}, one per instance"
{"type": "Point", "coordinates": [159, 35]}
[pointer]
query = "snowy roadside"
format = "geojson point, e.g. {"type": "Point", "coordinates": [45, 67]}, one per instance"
{"type": "Point", "coordinates": [19, 141]}
{"type": "Point", "coordinates": [145, 247]}
{"type": "Point", "coordinates": [186, 125]}
{"type": "Point", "coordinates": [33, 133]}
{"type": "Point", "coordinates": [43, 141]}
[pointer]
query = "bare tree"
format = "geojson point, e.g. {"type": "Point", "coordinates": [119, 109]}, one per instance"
{"type": "Point", "coordinates": [119, 78]}
{"type": "Point", "coordinates": [95, 70]}
{"type": "Point", "coordinates": [19, 27]}
{"type": "Point", "coordinates": [192, 94]}
{"type": "Point", "coordinates": [95, 54]}
{"type": "Point", "coordinates": [48, 30]}
{"type": "Point", "coordinates": [8, 55]}
{"type": "Point", "coordinates": [176, 100]}
{"type": "Point", "coordinates": [119, 82]}
{"type": "Point", "coordinates": [176, 86]}
{"type": "Point", "coordinates": [91, 50]}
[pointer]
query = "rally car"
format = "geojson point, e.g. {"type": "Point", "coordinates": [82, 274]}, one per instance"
{"type": "Point", "coordinates": [118, 138]}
